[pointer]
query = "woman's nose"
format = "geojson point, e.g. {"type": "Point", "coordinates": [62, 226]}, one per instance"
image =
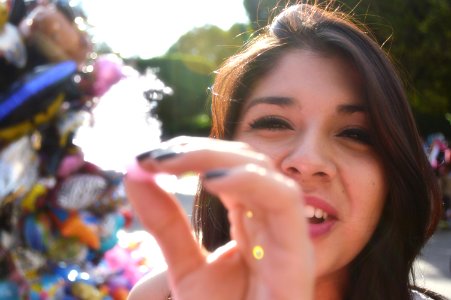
{"type": "Point", "coordinates": [309, 158]}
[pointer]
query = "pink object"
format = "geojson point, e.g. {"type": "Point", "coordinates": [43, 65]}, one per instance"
{"type": "Point", "coordinates": [70, 164]}
{"type": "Point", "coordinates": [107, 72]}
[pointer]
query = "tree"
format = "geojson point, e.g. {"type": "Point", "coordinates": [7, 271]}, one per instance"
{"type": "Point", "coordinates": [188, 68]}
{"type": "Point", "coordinates": [211, 43]}
{"type": "Point", "coordinates": [418, 34]}
{"type": "Point", "coordinates": [184, 112]}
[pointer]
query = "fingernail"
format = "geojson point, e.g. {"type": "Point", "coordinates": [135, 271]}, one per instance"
{"type": "Point", "coordinates": [157, 154]}
{"type": "Point", "coordinates": [136, 173]}
{"type": "Point", "coordinates": [215, 174]}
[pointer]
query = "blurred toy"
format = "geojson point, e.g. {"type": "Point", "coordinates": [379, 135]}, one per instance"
{"type": "Point", "coordinates": [12, 48]}
{"type": "Point", "coordinates": [82, 226]}
{"type": "Point", "coordinates": [3, 15]}
{"type": "Point", "coordinates": [47, 287]}
{"type": "Point", "coordinates": [18, 170]}
{"type": "Point", "coordinates": [48, 32]}
{"type": "Point", "coordinates": [107, 72]}
{"type": "Point", "coordinates": [37, 231]}
{"type": "Point", "coordinates": [33, 100]}
{"type": "Point", "coordinates": [85, 291]}
{"type": "Point", "coordinates": [9, 290]}
{"type": "Point", "coordinates": [13, 54]}
{"type": "Point", "coordinates": [17, 10]}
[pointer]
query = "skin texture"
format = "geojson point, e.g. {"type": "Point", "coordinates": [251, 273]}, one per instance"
{"type": "Point", "coordinates": [308, 141]}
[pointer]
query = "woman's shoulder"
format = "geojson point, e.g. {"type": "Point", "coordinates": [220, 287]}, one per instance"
{"type": "Point", "coordinates": [152, 286]}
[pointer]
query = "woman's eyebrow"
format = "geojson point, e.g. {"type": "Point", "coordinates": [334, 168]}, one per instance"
{"type": "Point", "coordinates": [351, 108]}
{"type": "Point", "coordinates": [272, 100]}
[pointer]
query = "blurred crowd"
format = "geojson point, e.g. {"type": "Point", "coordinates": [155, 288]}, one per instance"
{"type": "Point", "coordinates": [439, 154]}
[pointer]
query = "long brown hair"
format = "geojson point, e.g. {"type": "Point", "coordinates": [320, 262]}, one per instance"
{"type": "Point", "coordinates": [384, 267]}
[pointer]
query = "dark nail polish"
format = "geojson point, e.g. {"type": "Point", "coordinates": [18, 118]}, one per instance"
{"type": "Point", "coordinates": [158, 155]}
{"type": "Point", "coordinates": [215, 174]}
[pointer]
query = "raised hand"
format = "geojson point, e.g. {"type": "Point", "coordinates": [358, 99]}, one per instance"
{"type": "Point", "coordinates": [270, 255]}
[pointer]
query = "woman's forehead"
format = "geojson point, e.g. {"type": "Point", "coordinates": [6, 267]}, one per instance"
{"type": "Point", "coordinates": [307, 74]}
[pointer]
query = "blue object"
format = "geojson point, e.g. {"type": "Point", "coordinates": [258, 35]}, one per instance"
{"type": "Point", "coordinates": [9, 290]}
{"type": "Point", "coordinates": [43, 79]}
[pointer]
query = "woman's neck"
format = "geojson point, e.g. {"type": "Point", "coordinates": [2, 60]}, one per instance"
{"type": "Point", "coordinates": [332, 286]}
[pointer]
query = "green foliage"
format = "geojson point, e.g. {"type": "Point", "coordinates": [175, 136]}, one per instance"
{"type": "Point", "coordinates": [185, 111]}
{"type": "Point", "coordinates": [418, 34]}
{"type": "Point", "coordinates": [211, 43]}
{"type": "Point", "coordinates": [188, 68]}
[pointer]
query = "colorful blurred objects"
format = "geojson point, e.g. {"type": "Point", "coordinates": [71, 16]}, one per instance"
{"type": "Point", "coordinates": [63, 219]}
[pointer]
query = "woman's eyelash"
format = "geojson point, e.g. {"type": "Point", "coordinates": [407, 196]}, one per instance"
{"type": "Point", "coordinates": [271, 123]}
{"type": "Point", "coordinates": [358, 134]}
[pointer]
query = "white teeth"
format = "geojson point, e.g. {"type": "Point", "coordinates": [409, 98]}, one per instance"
{"type": "Point", "coordinates": [309, 211]}
{"type": "Point", "coordinates": [318, 213]}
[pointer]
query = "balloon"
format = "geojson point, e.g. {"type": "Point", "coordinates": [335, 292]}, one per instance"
{"type": "Point", "coordinates": [47, 286]}
{"type": "Point", "coordinates": [18, 169]}
{"type": "Point", "coordinates": [46, 29]}
{"type": "Point", "coordinates": [3, 15]}
{"type": "Point", "coordinates": [33, 100]}
{"type": "Point", "coordinates": [85, 291]}
{"type": "Point", "coordinates": [80, 191]}
{"type": "Point", "coordinates": [78, 226]}
{"type": "Point", "coordinates": [12, 48]}
{"type": "Point", "coordinates": [9, 290]}
{"type": "Point", "coordinates": [107, 72]}
{"type": "Point", "coordinates": [37, 231]}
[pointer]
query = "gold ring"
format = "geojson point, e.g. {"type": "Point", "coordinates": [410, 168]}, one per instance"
{"type": "Point", "coordinates": [258, 252]}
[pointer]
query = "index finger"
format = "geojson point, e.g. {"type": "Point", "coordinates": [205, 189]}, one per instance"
{"type": "Point", "coordinates": [165, 219]}
{"type": "Point", "coordinates": [197, 154]}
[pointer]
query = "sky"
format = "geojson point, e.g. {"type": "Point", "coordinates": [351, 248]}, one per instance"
{"type": "Point", "coordinates": [147, 28]}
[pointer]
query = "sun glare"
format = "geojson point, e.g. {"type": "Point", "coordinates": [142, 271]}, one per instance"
{"type": "Point", "coordinates": [147, 28]}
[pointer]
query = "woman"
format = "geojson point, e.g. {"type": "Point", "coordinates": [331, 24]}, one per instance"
{"type": "Point", "coordinates": [316, 164]}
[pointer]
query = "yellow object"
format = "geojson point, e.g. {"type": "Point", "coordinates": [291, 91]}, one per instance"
{"type": "Point", "coordinates": [75, 227]}
{"type": "Point", "coordinates": [3, 14]}
{"type": "Point", "coordinates": [257, 252]}
{"type": "Point", "coordinates": [15, 131]}
{"type": "Point", "coordinates": [29, 201]}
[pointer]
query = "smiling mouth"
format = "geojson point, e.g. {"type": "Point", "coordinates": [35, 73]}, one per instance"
{"type": "Point", "coordinates": [316, 215]}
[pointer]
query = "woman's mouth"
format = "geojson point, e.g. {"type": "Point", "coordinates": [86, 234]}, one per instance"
{"type": "Point", "coordinates": [320, 216]}
{"type": "Point", "coordinates": [315, 215]}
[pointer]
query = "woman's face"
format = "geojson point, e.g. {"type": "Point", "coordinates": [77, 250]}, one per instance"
{"type": "Point", "coordinates": [309, 116]}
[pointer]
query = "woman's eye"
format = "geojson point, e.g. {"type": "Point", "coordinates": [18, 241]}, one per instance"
{"type": "Point", "coordinates": [270, 123]}
{"type": "Point", "coordinates": [358, 134]}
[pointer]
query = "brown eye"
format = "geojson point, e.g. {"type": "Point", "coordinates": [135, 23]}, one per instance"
{"type": "Point", "coordinates": [270, 123]}
{"type": "Point", "coordinates": [358, 134]}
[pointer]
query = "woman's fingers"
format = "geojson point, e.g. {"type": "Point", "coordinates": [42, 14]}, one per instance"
{"type": "Point", "coordinates": [266, 213]}
{"type": "Point", "coordinates": [265, 210]}
{"type": "Point", "coordinates": [161, 214]}
{"type": "Point", "coordinates": [260, 194]}
{"type": "Point", "coordinates": [195, 154]}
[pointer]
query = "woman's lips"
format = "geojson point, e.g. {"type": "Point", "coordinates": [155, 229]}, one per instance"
{"type": "Point", "coordinates": [324, 214]}
{"type": "Point", "coordinates": [320, 229]}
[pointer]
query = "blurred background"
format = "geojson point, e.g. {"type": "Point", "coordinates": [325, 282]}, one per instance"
{"type": "Point", "coordinates": [192, 38]}
{"type": "Point", "coordinates": [85, 85]}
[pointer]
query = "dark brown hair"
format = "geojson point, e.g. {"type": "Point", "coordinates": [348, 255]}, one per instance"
{"type": "Point", "coordinates": [383, 269]}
